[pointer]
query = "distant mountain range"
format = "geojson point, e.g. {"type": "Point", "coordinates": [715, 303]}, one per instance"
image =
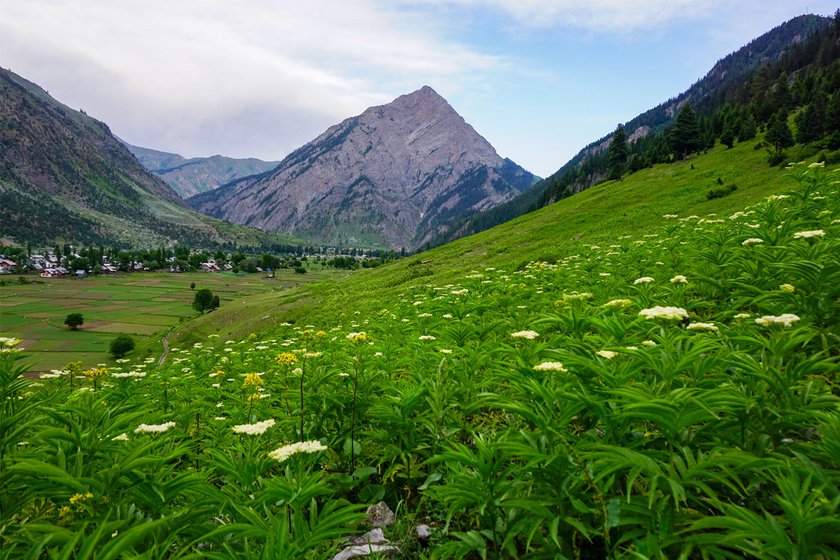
{"type": "Point", "coordinates": [192, 176]}
{"type": "Point", "coordinates": [394, 176]}
{"type": "Point", "coordinates": [65, 177]}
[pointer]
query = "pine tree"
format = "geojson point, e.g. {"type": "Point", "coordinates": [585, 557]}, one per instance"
{"type": "Point", "coordinates": [685, 138]}
{"type": "Point", "coordinates": [617, 156]}
{"type": "Point", "coordinates": [748, 128]}
{"type": "Point", "coordinates": [778, 132]}
{"type": "Point", "coordinates": [809, 126]}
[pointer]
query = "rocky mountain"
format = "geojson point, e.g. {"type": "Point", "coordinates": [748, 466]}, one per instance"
{"type": "Point", "coordinates": [192, 176]}
{"type": "Point", "coordinates": [64, 176]}
{"type": "Point", "coordinates": [393, 176]}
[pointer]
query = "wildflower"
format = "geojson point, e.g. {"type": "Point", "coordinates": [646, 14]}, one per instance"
{"type": "Point", "coordinates": [642, 280]}
{"type": "Point", "coordinates": [786, 319]}
{"type": "Point", "coordinates": [427, 337]}
{"type": "Point", "coordinates": [153, 428]}
{"type": "Point", "coordinates": [550, 366]}
{"type": "Point", "coordinates": [311, 354]}
{"type": "Point", "coordinates": [282, 453]}
{"type": "Point", "coordinates": [809, 234]}
{"type": "Point", "coordinates": [121, 437]}
{"type": "Point", "coordinates": [358, 337]}
{"type": "Point", "coordinates": [76, 498]}
{"type": "Point", "coordinates": [670, 216]}
{"type": "Point", "coordinates": [751, 241]}
{"type": "Point", "coordinates": [7, 343]}
{"type": "Point", "coordinates": [254, 429]}
{"type": "Point", "coordinates": [530, 335]}
{"type": "Point", "coordinates": [702, 327]}
{"type": "Point", "coordinates": [648, 343]}
{"type": "Point", "coordinates": [788, 288]}
{"type": "Point", "coordinates": [679, 279]}
{"type": "Point", "coordinates": [617, 303]}
{"type": "Point", "coordinates": [344, 374]}
{"type": "Point", "coordinates": [740, 316]}
{"type": "Point", "coordinates": [608, 354]}
{"type": "Point", "coordinates": [668, 313]}
{"type": "Point", "coordinates": [445, 351]}
{"type": "Point", "coordinates": [424, 315]}
{"type": "Point", "coordinates": [252, 380]}
{"type": "Point", "coordinates": [574, 296]}
{"type": "Point", "coordinates": [816, 164]}
{"type": "Point", "coordinates": [129, 374]}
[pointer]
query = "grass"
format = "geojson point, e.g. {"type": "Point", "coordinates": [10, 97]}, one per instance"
{"type": "Point", "coordinates": [144, 305]}
{"type": "Point", "coordinates": [600, 214]}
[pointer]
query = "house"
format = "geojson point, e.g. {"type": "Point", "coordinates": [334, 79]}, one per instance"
{"type": "Point", "coordinates": [50, 273]}
{"type": "Point", "coordinates": [7, 263]}
{"type": "Point", "coordinates": [109, 268]}
{"type": "Point", "coordinates": [210, 266]}
{"type": "Point", "coordinates": [228, 266]}
{"type": "Point", "coordinates": [81, 273]}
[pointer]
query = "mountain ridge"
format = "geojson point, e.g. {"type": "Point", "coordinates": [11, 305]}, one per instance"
{"type": "Point", "coordinates": [392, 175]}
{"type": "Point", "coordinates": [191, 176]}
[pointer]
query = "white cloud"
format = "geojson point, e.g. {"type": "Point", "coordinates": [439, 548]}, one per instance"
{"type": "Point", "coordinates": [188, 75]}
{"type": "Point", "coordinates": [592, 15]}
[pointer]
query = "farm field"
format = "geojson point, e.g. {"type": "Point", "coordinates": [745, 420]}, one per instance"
{"type": "Point", "coordinates": [143, 305]}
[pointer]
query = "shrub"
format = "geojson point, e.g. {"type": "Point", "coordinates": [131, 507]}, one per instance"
{"type": "Point", "coordinates": [721, 192]}
{"type": "Point", "coordinates": [121, 345]}
{"type": "Point", "coordinates": [74, 320]}
{"type": "Point", "coordinates": [203, 300]}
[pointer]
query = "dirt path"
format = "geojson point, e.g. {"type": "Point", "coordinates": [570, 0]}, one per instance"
{"type": "Point", "coordinates": [165, 348]}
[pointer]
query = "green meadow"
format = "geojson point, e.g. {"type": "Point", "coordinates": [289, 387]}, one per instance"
{"type": "Point", "coordinates": [635, 372]}
{"type": "Point", "coordinates": [143, 305]}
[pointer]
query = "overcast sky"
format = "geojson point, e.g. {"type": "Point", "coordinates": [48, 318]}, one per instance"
{"type": "Point", "coordinates": [538, 78]}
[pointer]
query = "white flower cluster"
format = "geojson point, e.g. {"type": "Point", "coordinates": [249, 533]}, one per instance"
{"type": "Point", "coordinates": [751, 241]}
{"type": "Point", "coordinates": [669, 313]}
{"type": "Point", "coordinates": [786, 319]}
{"type": "Point", "coordinates": [129, 374]}
{"type": "Point", "coordinates": [427, 337]}
{"type": "Point", "coordinates": [530, 335]}
{"type": "Point", "coordinates": [154, 428]}
{"type": "Point", "coordinates": [617, 303]}
{"type": "Point", "coordinates": [282, 453]}
{"type": "Point", "coordinates": [255, 429]}
{"type": "Point", "coordinates": [550, 366]}
{"type": "Point", "coordinates": [809, 234]}
{"type": "Point", "coordinates": [643, 280]}
{"type": "Point", "coordinates": [702, 327]}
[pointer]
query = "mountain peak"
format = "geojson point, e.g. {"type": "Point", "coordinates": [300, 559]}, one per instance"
{"type": "Point", "coordinates": [395, 175]}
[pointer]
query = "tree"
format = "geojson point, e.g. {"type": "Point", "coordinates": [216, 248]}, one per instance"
{"type": "Point", "coordinates": [214, 303]}
{"type": "Point", "coordinates": [74, 320]}
{"type": "Point", "coordinates": [778, 132]}
{"type": "Point", "coordinates": [617, 156]}
{"type": "Point", "coordinates": [121, 345]}
{"type": "Point", "coordinates": [685, 138]}
{"type": "Point", "coordinates": [809, 126]}
{"type": "Point", "coordinates": [203, 300]}
{"type": "Point", "coordinates": [748, 128]}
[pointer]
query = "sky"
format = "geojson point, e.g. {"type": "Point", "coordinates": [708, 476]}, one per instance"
{"type": "Point", "coordinates": [539, 79]}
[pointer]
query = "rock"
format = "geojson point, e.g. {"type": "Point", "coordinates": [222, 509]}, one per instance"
{"type": "Point", "coordinates": [379, 515]}
{"type": "Point", "coordinates": [374, 536]}
{"type": "Point", "coordinates": [424, 532]}
{"type": "Point", "coordinates": [359, 551]}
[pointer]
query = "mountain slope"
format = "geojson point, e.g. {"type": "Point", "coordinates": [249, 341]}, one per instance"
{"type": "Point", "coordinates": [192, 176]}
{"type": "Point", "coordinates": [724, 83]}
{"type": "Point", "coordinates": [64, 176]}
{"type": "Point", "coordinates": [394, 175]}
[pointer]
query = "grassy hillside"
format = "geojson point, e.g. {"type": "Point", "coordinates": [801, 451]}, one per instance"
{"type": "Point", "coordinates": [598, 215]}
{"type": "Point", "coordinates": [635, 372]}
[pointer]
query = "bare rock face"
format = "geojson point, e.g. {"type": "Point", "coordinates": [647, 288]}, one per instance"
{"type": "Point", "coordinates": [393, 176]}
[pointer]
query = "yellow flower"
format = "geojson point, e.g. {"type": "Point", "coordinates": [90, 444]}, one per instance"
{"type": "Point", "coordinates": [286, 359]}
{"type": "Point", "coordinates": [358, 337]}
{"type": "Point", "coordinates": [252, 380]}
{"type": "Point", "coordinates": [788, 288]}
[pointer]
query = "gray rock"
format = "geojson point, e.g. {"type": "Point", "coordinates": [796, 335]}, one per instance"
{"type": "Point", "coordinates": [424, 532]}
{"type": "Point", "coordinates": [374, 536]}
{"type": "Point", "coordinates": [395, 173]}
{"type": "Point", "coordinates": [379, 515]}
{"type": "Point", "coordinates": [360, 551]}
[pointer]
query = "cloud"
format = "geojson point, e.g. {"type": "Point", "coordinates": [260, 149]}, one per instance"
{"type": "Point", "coordinates": [186, 75]}
{"type": "Point", "coordinates": [592, 15]}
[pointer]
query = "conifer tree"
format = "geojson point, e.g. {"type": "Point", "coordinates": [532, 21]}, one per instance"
{"type": "Point", "coordinates": [617, 156]}
{"type": "Point", "coordinates": [748, 128]}
{"type": "Point", "coordinates": [685, 137]}
{"type": "Point", "coordinates": [809, 126]}
{"type": "Point", "coordinates": [778, 132]}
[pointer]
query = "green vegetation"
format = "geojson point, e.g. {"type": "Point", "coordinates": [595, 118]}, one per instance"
{"type": "Point", "coordinates": [143, 305]}
{"type": "Point", "coordinates": [121, 345]}
{"type": "Point", "coordinates": [636, 371]}
{"type": "Point", "coordinates": [203, 300]}
{"type": "Point", "coordinates": [74, 320]}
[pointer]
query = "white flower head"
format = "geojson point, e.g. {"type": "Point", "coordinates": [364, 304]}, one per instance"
{"type": "Point", "coordinates": [668, 313]}
{"type": "Point", "coordinates": [809, 234]}
{"type": "Point", "coordinates": [154, 428]}
{"type": "Point", "coordinates": [254, 429]}
{"type": "Point", "coordinates": [282, 453]}
{"type": "Point", "coordinates": [785, 319]}
{"type": "Point", "coordinates": [530, 335]}
{"type": "Point", "coordinates": [643, 280]}
{"type": "Point", "coordinates": [550, 366]}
